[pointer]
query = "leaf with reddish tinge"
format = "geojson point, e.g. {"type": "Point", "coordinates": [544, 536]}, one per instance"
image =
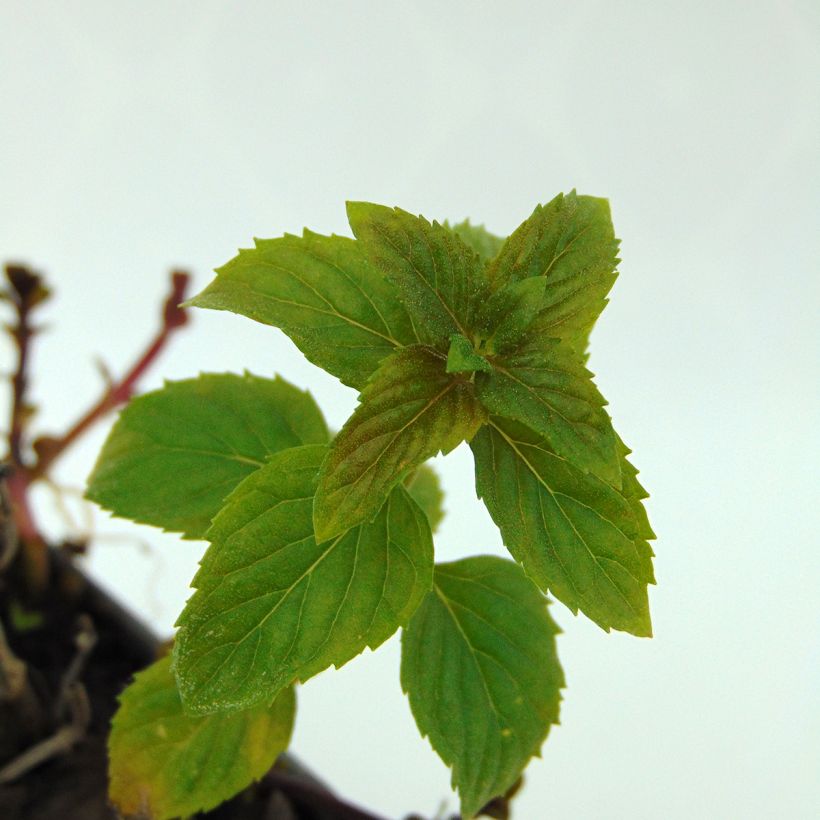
{"type": "Point", "coordinates": [411, 410]}
{"type": "Point", "coordinates": [545, 385]}
{"type": "Point", "coordinates": [439, 278]}
{"type": "Point", "coordinates": [570, 242]}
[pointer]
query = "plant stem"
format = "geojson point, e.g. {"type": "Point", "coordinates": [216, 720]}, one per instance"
{"type": "Point", "coordinates": [174, 317]}
{"type": "Point", "coordinates": [27, 291]}
{"type": "Point", "coordinates": [35, 550]}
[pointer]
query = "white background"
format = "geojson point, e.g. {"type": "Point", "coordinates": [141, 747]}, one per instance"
{"type": "Point", "coordinates": [137, 136]}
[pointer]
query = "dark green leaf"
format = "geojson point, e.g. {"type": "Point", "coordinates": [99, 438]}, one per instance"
{"type": "Point", "coordinates": [480, 668]}
{"type": "Point", "coordinates": [273, 607]}
{"type": "Point", "coordinates": [411, 410]}
{"type": "Point", "coordinates": [463, 358]}
{"type": "Point", "coordinates": [571, 242]}
{"type": "Point", "coordinates": [175, 454]}
{"type": "Point", "coordinates": [322, 291]}
{"type": "Point", "coordinates": [437, 275]}
{"type": "Point", "coordinates": [575, 535]}
{"type": "Point", "coordinates": [544, 385]}
{"type": "Point", "coordinates": [485, 244]}
{"type": "Point", "coordinates": [423, 484]}
{"type": "Point", "coordinates": [164, 762]}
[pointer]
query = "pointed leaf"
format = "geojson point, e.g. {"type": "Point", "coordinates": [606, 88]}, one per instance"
{"type": "Point", "coordinates": [484, 243]}
{"type": "Point", "coordinates": [410, 411]}
{"type": "Point", "coordinates": [576, 536]}
{"type": "Point", "coordinates": [321, 290]}
{"type": "Point", "coordinates": [544, 385]}
{"type": "Point", "coordinates": [424, 486]}
{"type": "Point", "coordinates": [175, 454]}
{"type": "Point", "coordinates": [571, 242]}
{"type": "Point", "coordinates": [164, 762]}
{"type": "Point", "coordinates": [438, 276]}
{"type": "Point", "coordinates": [480, 668]}
{"type": "Point", "coordinates": [463, 358]}
{"type": "Point", "coordinates": [273, 607]}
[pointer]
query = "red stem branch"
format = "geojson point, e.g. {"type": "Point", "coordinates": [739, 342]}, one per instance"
{"type": "Point", "coordinates": [50, 449]}
{"type": "Point", "coordinates": [26, 292]}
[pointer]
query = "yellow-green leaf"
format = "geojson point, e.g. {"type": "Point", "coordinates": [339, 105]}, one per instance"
{"type": "Point", "coordinates": [166, 763]}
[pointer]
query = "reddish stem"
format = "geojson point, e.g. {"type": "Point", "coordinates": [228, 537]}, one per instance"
{"type": "Point", "coordinates": [50, 449]}
{"type": "Point", "coordinates": [27, 291]}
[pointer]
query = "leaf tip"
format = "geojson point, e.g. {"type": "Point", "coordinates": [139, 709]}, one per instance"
{"type": "Point", "coordinates": [356, 210]}
{"type": "Point", "coordinates": [325, 525]}
{"type": "Point", "coordinates": [644, 629]}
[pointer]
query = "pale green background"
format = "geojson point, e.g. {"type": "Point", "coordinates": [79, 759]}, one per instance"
{"type": "Point", "coordinates": [135, 136]}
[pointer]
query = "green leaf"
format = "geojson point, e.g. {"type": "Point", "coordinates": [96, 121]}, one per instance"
{"type": "Point", "coordinates": [571, 242]}
{"type": "Point", "coordinates": [410, 411]}
{"type": "Point", "coordinates": [634, 492]}
{"type": "Point", "coordinates": [322, 291]}
{"type": "Point", "coordinates": [576, 536]}
{"type": "Point", "coordinates": [164, 762]}
{"type": "Point", "coordinates": [424, 486]}
{"type": "Point", "coordinates": [481, 671]}
{"type": "Point", "coordinates": [273, 607]}
{"type": "Point", "coordinates": [439, 278]}
{"type": "Point", "coordinates": [544, 385]}
{"type": "Point", "coordinates": [462, 357]}
{"type": "Point", "coordinates": [485, 244]}
{"type": "Point", "coordinates": [509, 312]}
{"type": "Point", "coordinates": [175, 454]}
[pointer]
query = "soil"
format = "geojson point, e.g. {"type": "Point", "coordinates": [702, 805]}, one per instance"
{"type": "Point", "coordinates": [79, 649]}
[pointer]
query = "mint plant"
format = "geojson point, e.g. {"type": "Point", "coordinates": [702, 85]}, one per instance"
{"type": "Point", "coordinates": [322, 546]}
